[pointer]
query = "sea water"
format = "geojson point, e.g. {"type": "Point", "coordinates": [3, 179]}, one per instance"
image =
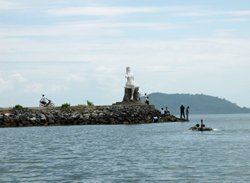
{"type": "Point", "coordinates": [162, 152]}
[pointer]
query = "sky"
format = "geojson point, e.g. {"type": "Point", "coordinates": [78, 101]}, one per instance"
{"type": "Point", "coordinates": [78, 50]}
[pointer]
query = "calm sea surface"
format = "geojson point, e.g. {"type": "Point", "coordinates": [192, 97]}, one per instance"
{"type": "Point", "coordinates": [166, 152]}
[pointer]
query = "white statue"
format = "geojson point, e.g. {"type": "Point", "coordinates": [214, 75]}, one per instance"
{"type": "Point", "coordinates": [130, 81]}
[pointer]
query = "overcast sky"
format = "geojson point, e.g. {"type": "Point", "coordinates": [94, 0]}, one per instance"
{"type": "Point", "coordinates": [77, 50]}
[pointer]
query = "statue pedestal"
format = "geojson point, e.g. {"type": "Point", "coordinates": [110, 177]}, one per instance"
{"type": "Point", "coordinates": [128, 93]}
{"type": "Point", "coordinates": [127, 97]}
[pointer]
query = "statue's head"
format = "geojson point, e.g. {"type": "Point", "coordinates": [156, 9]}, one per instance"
{"type": "Point", "coordinates": [128, 69]}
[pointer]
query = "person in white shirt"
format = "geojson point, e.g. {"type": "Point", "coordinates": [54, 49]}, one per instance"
{"type": "Point", "coordinates": [162, 111]}
{"type": "Point", "coordinates": [43, 100]}
{"type": "Point", "coordinates": [145, 97]}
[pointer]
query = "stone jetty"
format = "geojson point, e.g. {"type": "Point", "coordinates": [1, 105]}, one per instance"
{"type": "Point", "coordinates": [83, 115]}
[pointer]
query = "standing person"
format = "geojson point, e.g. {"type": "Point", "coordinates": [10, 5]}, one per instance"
{"type": "Point", "coordinates": [145, 97]}
{"type": "Point", "coordinates": [182, 111]}
{"type": "Point", "coordinates": [187, 112]}
{"type": "Point", "coordinates": [202, 125]}
{"type": "Point", "coordinates": [167, 112]}
{"type": "Point", "coordinates": [139, 96]}
{"type": "Point", "coordinates": [147, 100]}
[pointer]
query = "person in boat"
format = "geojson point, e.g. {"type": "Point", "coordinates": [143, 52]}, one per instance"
{"type": "Point", "coordinates": [200, 127]}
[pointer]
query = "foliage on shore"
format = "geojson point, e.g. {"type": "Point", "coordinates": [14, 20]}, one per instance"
{"type": "Point", "coordinates": [65, 106]}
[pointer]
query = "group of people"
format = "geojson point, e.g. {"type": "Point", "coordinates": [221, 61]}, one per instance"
{"type": "Point", "coordinates": [200, 127]}
{"type": "Point", "coordinates": [184, 111]}
{"type": "Point", "coordinates": [165, 112]}
{"type": "Point", "coordinates": [146, 98]}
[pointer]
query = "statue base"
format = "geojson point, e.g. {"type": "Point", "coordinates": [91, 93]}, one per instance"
{"type": "Point", "coordinates": [128, 93]}
{"type": "Point", "coordinates": [127, 97]}
{"type": "Point", "coordinates": [130, 103]}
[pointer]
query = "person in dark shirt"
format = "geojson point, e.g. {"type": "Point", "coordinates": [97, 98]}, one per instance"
{"type": "Point", "coordinates": [182, 111]}
{"type": "Point", "coordinates": [187, 113]}
{"type": "Point", "coordinates": [147, 100]}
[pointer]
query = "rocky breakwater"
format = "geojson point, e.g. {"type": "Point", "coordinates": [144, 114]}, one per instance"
{"type": "Point", "coordinates": [84, 115]}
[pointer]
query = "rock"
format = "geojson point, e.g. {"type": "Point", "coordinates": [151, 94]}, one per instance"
{"type": "Point", "coordinates": [33, 119]}
{"type": "Point", "coordinates": [42, 117]}
{"type": "Point", "coordinates": [7, 114]}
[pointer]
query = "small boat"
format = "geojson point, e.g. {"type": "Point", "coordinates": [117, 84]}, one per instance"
{"type": "Point", "coordinates": [200, 127]}
{"type": "Point", "coordinates": [195, 128]}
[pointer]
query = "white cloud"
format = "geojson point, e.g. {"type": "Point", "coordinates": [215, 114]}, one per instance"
{"type": "Point", "coordinates": [125, 10]}
{"type": "Point", "coordinates": [76, 29]}
{"type": "Point", "coordinates": [7, 5]}
{"type": "Point", "coordinates": [218, 49]}
{"type": "Point", "coordinates": [75, 78]}
{"type": "Point", "coordinates": [104, 74]}
{"type": "Point", "coordinates": [3, 84]}
{"type": "Point", "coordinates": [44, 87]}
{"type": "Point", "coordinates": [101, 11]}
{"type": "Point", "coordinates": [241, 13]}
{"type": "Point", "coordinates": [34, 88]}
{"type": "Point", "coordinates": [56, 88]}
{"type": "Point", "coordinates": [221, 20]}
{"type": "Point", "coordinates": [80, 40]}
{"type": "Point", "coordinates": [186, 11]}
{"type": "Point", "coordinates": [9, 82]}
{"type": "Point", "coordinates": [18, 78]}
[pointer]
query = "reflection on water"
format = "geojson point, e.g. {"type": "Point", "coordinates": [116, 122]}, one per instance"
{"type": "Point", "coordinates": [129, 153]}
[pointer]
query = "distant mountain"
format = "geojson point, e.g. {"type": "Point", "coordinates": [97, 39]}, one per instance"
{"type": "Point", "coordinates": [199, 103]}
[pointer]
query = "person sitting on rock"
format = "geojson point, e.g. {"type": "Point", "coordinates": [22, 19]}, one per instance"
{"type": "Point", "coordinates": [167, 112]}
{"type": "Point", "coordinates": [155, 119]}
{"type": "Point", "coordinates": [162, 111]}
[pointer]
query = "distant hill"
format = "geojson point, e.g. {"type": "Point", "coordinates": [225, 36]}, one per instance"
{"type": "Point", "coordinates": [199, 103]}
